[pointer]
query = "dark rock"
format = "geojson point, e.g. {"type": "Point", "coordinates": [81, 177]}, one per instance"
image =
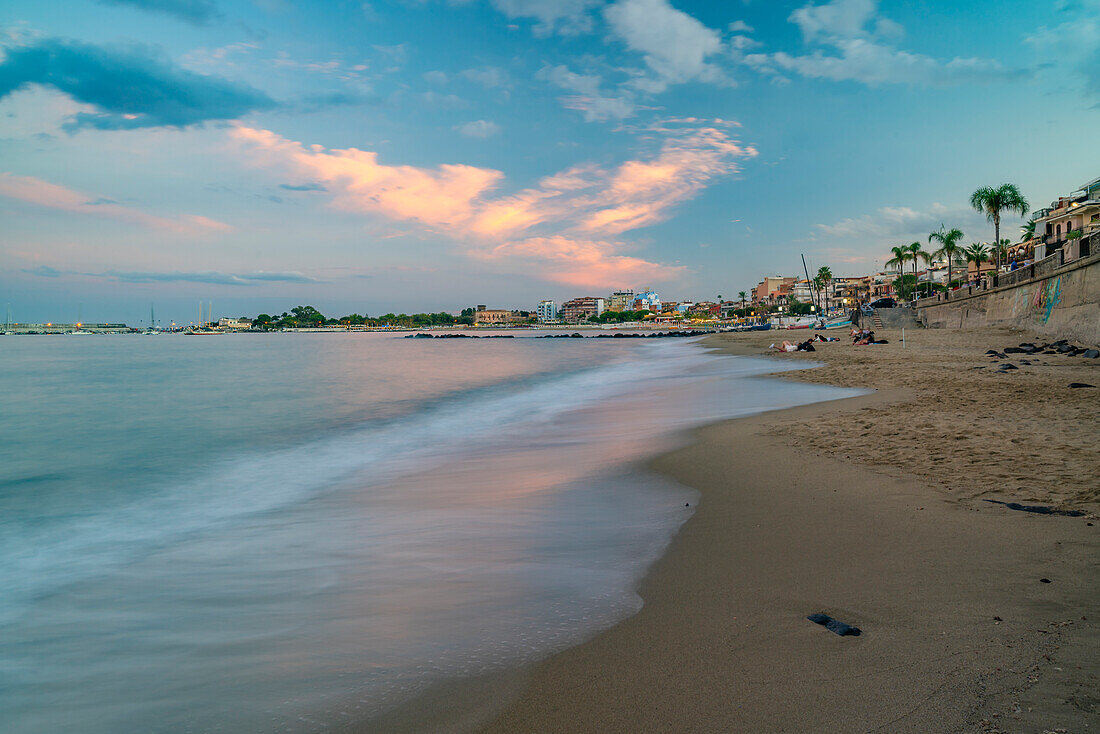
{"type": "Point", "coordinates": [1008, 366]}
{"type": "Point", "coordinates": [834, 625]}
{"type": "Point", "coordinates": [1066, 348]}
{"type": "Point", "coordinates": [1091, 353]}
{"type": "Point", "coordinates": [1027, 344]}
{"type": "Point", "coordinates": [1044, 581]}
{"type": "Point", "coordinates": [991, 352]}
{"type": "Point", "coordinates": [1013, 350]}
{"type": "Point", "coordinates": [1037, 509]}
{"type": "Point", "coordinates": [1080, 384]}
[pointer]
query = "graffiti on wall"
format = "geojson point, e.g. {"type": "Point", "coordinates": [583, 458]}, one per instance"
{"type": "Point", "coordinates": [1047, 295]}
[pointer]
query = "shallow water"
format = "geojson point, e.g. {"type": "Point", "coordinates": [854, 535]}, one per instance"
{"type": "Point", "coordinates": [280, 532]}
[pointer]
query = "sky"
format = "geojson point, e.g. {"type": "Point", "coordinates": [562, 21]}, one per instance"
{"type": "Point", "coordinates": [428, 155]}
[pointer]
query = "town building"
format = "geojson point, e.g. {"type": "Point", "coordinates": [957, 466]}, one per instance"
{"type": "Point", "coordinates": [1067, 221]}
{"type": "Point", "coordinates": [772, 288]}
{"type": "Point", "coordinates": [580, 309]}
{"type": "Point", "coordinates": [646, 301]}
{"type": "Point", "coordinates": [547, 311]}
{"type": "Point", "coordinates": [620, 300]}
{"type": "Point", "coordinates": [234, 324]}
{"type": "Point", "coordinates": [493, 316]}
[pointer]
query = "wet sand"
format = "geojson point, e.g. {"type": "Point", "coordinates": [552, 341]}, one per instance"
{"type": "Point", "coordinates": [868, 510]}
{"type": "Point", "coordinates": [871, 510]}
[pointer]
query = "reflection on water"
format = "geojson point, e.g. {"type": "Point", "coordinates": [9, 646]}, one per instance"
{"type": "Point", "coordinates": [314, 528]}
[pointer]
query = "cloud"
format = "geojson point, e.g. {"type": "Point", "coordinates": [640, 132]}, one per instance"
{"type": "Point", "coordinates": [1073, 44]}
{"type": "Point", "coordinates": [740, 26]}
{"type": "Point", "coordinates": [567, 223]}
{"type": "Point", "coordinates": [198, 12]}
{"type": "Point", "coordinates": [479, 129]}
{"type": "Point", "coordinates": [213, 278]}
{"type": "Point", "coordinates": [674, 45]}
{"type": "Point", "coordinates": [869, 237]}
{"type": "Point", "coordinates": [568, 17]}
{"type": "Point", "coordinates": [129, 86]}
{"type": "Point", "coordinates": [44, 271]}
{"type": "Point", "coordinates": [596, 106]}
{"type": "Point", "coordinates": [209, 277]}
{"type": "Point", "coordinates": [303, 187]}
{"type": "Point", "coordinates": [489, 76]}
{"type": "Point", "coordinates": [435, 77]}
{"type": "Point", "coordinates": [855, 46]}
{"type": "Point", "coordinates": [43, 193]}
{"type": "Point", "coordinates": [582, 263]}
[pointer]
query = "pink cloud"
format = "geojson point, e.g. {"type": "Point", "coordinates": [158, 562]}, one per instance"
{"type": "Point", "coordinates": [582, 263]}
{"type": "Point", "coordinates": [43, 193]}
{"type": "Point", "coordinates": [562, 224]}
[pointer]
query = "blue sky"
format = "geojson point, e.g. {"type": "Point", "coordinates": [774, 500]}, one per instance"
{"type": "Point", "coordinates": [428, 155]}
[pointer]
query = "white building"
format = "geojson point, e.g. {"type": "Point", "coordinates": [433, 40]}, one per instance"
{"type": "Point", "coordinates": [547, 311]}
{"type": "Point", "coordinates": [647, 301]}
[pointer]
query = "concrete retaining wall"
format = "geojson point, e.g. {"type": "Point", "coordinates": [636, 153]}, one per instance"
{"type": "Point", "coordinates": [897, 318]}
{"type": "Point", "coordinates": [1063, 304]}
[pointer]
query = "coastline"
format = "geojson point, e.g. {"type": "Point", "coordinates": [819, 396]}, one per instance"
{"type": "Point", "coordinates": [959, 631]}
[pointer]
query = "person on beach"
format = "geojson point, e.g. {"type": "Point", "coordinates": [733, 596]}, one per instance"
{"type": "Point", "coordinates": [785, 347]}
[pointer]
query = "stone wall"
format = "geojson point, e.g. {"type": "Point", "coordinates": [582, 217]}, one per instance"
{"type": "Point", "coordinates": [1062, 304]}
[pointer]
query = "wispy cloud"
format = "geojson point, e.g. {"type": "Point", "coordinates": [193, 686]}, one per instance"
{"type": "Point", "coordinates": [198, 12]}
{"type": "Point", "coordinates": [855, 43]}
{"type": "Point", "coordinates": [568, 222]}
{"type": "Point", "coordinates": [479, 129]}
{"type": "Point", "coordinates": [208, 277]}
{"type": "Point", "coordinates": [129, 86]}
{"type": "Point", "coordinates": [596, 104]}
{"type": "Point", "coordinates": [43, 193]}
{"type": "Point", "coordinates": [567, 17]}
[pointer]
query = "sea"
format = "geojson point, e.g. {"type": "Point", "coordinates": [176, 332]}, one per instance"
{"type": "Point", "coordinates": [292, 532]}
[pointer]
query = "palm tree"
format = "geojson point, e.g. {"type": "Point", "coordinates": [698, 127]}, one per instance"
{"type": "Point", "coordinates": [949, 246]}
{"type": "Point", "coordinates": [993, 201]}
{"type": "Point", "coordinates": [1028, 230]}
{"type": "Point", "coordinates": [977, 253]}
{"type": "Point", "coordinates": [742, 295]}
{"type": "Point", "coordinates": [917, 253]}
{"type": "Point", "coordinates": [900, 257]}
{"type": "Point", "coordinates": [826, 276]}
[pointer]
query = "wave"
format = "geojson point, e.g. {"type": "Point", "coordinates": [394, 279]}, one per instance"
{"type": "Point", "coordinates": [39, 558]}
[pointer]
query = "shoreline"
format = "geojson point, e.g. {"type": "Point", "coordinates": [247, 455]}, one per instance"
{"type": "Point", "coordinates": [959, 633]}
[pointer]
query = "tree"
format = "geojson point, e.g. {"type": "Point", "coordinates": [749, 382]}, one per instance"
{"type": "Point", "coordinates": [826, 277]}
{"type": "Point", "coordinates": [262, 321]}
{"type": "Point", "coordinates": [1027, 231]}
{"type": "Point", "coordinates": [916, 252]}
{"type": "Point", "coordinates": [742, 295]}
{"type": "Point", "coordinates": [900, 257]}
{"type": "Point", "coordinates": [307, 315]}
{"type": "Point", "coordinates": [993, 201]}
{"type": "Point", "coordinates": [949, 246]}
{"type": "Point", "coordinates": [976, 253]}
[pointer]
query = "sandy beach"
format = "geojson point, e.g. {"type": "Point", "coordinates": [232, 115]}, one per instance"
{"type": "Point", "coordinates": [974, 617]}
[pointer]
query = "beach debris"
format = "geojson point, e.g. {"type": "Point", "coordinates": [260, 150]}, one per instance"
{"type": "Point", "coordinates": [1044, 581]}
{"type": "Point", "coordinates": [834, 625]}
{"type": "Point", "coordinates": [1080, 384]}
{"type": "Point", "coordinates": [1038, 509]}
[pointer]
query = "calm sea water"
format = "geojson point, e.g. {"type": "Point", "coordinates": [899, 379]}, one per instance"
{"type": "Point", "coordinates": [282, 532]}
